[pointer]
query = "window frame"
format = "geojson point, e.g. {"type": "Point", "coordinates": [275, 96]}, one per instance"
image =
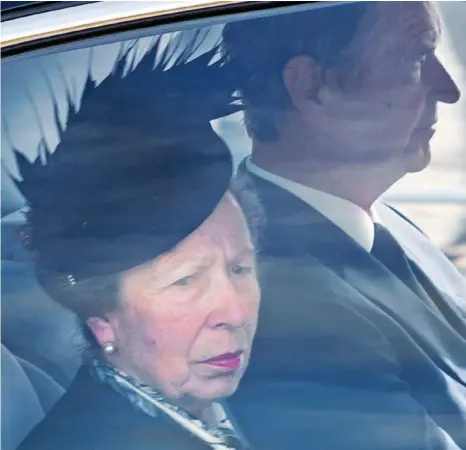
{"type": "Point", "coordinates": [96, 19]}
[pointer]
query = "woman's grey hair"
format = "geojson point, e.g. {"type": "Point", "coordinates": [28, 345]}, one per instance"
{"type": "Point", "coordinates": [246, 195]}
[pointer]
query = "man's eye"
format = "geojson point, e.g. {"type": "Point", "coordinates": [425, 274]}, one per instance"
{"type": "Point", "coordinates": [423, 58]}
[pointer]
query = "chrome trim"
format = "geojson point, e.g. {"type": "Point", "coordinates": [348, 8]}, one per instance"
{"type": "Point", "coordinates": [427, 196]}
{"type": "Point", "coordinates": [94, 15]}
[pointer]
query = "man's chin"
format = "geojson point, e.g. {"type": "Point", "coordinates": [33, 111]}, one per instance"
{"type": "Point", "coordinates": [418, 159]}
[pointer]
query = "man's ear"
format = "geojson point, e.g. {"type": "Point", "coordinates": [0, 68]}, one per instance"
{"type": "Point", "coordinates": [102, 329]}
{"type": "Point", "coordinates": [302, 79]}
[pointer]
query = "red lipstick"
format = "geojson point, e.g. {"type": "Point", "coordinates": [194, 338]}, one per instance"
{"type": "Point", "coordinates": [226, 361]}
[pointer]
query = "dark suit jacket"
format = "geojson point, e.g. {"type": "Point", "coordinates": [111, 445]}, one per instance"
{"type": "Point", "coordinates": [346, 356]}
{"type": "Point", "coordinates": [92, 416]}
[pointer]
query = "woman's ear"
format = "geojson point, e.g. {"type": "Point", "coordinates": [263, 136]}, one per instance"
{"type": "Point", "coordinates": [102, 329]}
{"type": "Point", "coordinates": [302, 79]}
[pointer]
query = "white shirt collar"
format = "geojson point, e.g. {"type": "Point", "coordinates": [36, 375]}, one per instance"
{"type": "Point", "coordinates": [347, 216]}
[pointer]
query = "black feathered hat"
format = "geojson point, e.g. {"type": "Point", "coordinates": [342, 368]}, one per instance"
{"type": "Point", "coordinates": [138, 168]}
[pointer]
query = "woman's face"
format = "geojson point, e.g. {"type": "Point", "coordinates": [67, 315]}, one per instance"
{"type": "Point", "coordinates": [186, 320]}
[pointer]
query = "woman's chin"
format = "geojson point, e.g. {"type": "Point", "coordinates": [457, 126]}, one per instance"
{"type": "Point", "coordinates": [216, 389]}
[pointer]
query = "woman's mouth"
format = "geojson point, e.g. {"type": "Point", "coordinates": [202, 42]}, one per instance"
{"type": "Point", "coordinates": [226, 361]}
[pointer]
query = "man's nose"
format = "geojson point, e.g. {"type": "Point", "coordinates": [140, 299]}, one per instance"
{"type": "Point", "coordinates": [230, 309]}
{"type": "Point", "coordinates": [440, 82]}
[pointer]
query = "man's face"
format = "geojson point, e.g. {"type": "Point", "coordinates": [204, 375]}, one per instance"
{"type": "Point", "coordinates": [387, 111]}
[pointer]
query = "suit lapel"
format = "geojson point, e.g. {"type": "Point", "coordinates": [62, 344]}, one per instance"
{"type": "Point", "coordinates": [432, 266]}
{"type": "Point", "coordinates": [296, 229]}
{"type": "Point", "coordinates": [420, 250]}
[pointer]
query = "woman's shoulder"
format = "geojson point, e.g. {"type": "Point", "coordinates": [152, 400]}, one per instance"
{"type": "Point", "coordinates": [90, 415]}
{"type": "Point", "coordinates": [87, 413]}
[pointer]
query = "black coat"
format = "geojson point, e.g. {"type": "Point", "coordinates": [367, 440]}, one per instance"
{"type": "Point", "coordinates": [346, 357]}
{"type": "Point", "coordinates": [92, 416]}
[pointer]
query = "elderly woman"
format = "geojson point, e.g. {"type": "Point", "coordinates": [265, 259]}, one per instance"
{"type": "Point", "coordinates": [134, 228]}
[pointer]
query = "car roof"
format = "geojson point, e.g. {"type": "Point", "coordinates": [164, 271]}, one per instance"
{"type": "Point", "coordinates": [14, 10]}
{"type": "Point", "coordinates": [32, 22]}
{"type": "Point", "coordinates": [12, 5]}
{"type": "Point", "coordinates": [8, 6]}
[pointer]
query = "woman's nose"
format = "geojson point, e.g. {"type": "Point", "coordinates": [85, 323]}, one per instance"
{"type": "Point", "coordinates": [440, 82]}
{"type": "Point", "coordinates": [230, 309]}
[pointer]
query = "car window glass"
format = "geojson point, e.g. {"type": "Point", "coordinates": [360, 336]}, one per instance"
{"type": "Point", "coordinates": [325, 278]}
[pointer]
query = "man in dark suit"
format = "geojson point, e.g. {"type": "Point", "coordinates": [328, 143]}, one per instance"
{"type": "Point", "coordinates": [362, 335]}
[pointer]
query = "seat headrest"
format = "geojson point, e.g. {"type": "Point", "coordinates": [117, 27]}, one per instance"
{"type": "Point", "coordinates": [21, 408]}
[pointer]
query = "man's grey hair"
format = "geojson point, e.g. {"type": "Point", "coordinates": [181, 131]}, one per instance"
{"type": "Point", "coordinates": [257, 51]}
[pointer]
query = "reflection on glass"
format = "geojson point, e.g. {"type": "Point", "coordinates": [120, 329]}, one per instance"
{"type": "Point", "coordinates": [155, 188]}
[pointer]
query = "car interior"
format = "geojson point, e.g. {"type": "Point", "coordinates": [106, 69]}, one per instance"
{"type": "Point", "coordinates": [38, 363]}
{"type": "Point", "coordinates": [41, 342]}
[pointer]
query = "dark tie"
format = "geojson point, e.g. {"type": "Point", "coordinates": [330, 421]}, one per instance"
{"type": "Point", "coordinates": [389, 252]}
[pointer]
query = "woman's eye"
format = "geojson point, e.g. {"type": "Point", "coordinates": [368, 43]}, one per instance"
{"type": "Point", "coordinates": [239, 269]}
{"type": "Point", "coordinates": [185, 281]}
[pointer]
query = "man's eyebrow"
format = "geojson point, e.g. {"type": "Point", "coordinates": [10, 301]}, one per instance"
{"type": "Point", "coordinates": [425, 45]}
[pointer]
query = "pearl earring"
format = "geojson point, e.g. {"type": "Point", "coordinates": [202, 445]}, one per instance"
{"type": "Point", "coordinates": [109, 348]}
